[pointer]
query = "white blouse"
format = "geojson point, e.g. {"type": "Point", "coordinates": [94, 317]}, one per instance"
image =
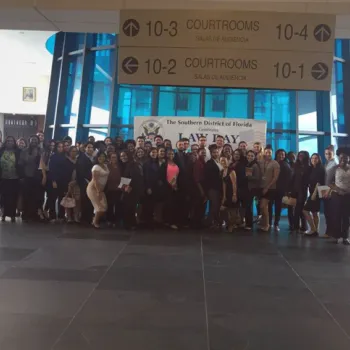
{"type": "Point", "coordinates": [103, 175]}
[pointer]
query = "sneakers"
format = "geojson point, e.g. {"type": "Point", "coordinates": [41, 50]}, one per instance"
{"type": "Point", "coordinates": [277, 228]}
{"type": "Point", "coordinates": [174, 227]}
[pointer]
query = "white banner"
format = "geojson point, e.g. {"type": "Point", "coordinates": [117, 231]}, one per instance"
{"type": "Point", "coordinates": [175, 128]}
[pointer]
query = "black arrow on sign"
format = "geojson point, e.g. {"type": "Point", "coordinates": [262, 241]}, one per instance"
{"type": "Point", "coordinates": [130, 65]}
{"type": "Point", "coordinates": [322, 32]}
{"type": "Point", "coordinates": [319, 71]}
{"type": "Point", "coordinates": [131, 27]}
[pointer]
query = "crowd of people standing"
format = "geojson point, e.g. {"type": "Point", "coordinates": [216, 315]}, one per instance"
{"type": "Point", "coordinates": [154, 184]}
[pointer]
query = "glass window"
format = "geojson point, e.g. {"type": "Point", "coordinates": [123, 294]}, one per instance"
{"type": "Point", "coordinates": [276, 107]}
{"type": "Point", "coordinates": [72, 133]}
{"type": "Point", "coordinates": [71, 109]}
{"type": "Point", "coordinates": [307, 114]}
{"type": "Point", "coordinates": [126, 133]}
{"type": "Point", "coordinates": [100, 86]}
{"type": "Point", "coordinates": [337, 100]}
{"type": "Point", "coordinates": [308, 143]}
{"type": "Point", "coordinates": [98, 133]}
{"type": "Point", "coordinates": [236, 103]}
{"type": "Point", "coordinates": [105, 39]}
{"type": "Point", "coordinates": [134, 102]}
{"type": "Point", "coordinates": [286, 141]}
{"type": "Point", "coordinates": [75, 41]}
{"type": "Point", "coordinates": [226, 103]}
{"type": "Point", "coordinates": [179, 101]}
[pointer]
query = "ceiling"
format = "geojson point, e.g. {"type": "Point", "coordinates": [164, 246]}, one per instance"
{"type": "Point", "coordinates": [103, 15]}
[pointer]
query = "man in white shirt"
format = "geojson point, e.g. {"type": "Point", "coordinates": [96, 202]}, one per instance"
{"type": "Point", "coordinates": [202, 142]}
{"type": "Point", "coordinates": [220, 141]}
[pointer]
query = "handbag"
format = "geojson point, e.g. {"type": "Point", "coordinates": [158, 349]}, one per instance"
{"type": "Point", "coordinates": [68, 202]}
{"type": "Point", "coordinates": [289, 201]}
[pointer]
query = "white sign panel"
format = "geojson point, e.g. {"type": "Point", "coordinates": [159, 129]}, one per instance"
{"type": "Point", "coordinates": [175, 128]}
{"type": "Point", "coordinates": [227, 68]}
{"type": "Point", "coordinates": [227, 29]}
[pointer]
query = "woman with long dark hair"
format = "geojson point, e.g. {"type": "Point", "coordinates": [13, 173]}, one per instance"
{"type": "Point", "coordinates": [229, 190]}
{"type": "Point", "coordinates": [253, 175]}
{"type": "Point", "coordinates": [313, 204]}
{"type": "Point", "coordinates": [140, 156]}
{"type": "Point", "coordinates": [170, 174]}
{"type": "Point", "coordinates": [48, 152]}
{"type": "Point", "coordinates": [298, 189]}
{"type": "Point", "coordinates": [281, 188]}
{"type": "Point", "coordinates": [227, 152]}
{"type": "Point", "coordinates": [152, 179]}
{"type": "Point", "coordinates": [71, 187]}
{"type": "Point", "coordinates": [57, 161]}
{"type": "Point", "coordinates": [34, 179]}
{"type": "Point", "coordinates": [9, 157]}
{"type": "Point", "coordinates": [96, 187]}
{"type": "Point", "coordinates": [238, 164]}
{"type": "Point", "coordinates": [113, 192]}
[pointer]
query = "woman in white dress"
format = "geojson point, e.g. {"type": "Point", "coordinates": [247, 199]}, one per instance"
{"type": "Point", "coordinates": [95, 189]}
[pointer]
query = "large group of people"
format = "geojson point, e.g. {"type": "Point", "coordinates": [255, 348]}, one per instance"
{"type": "Point", "coordinates": [136, 183]}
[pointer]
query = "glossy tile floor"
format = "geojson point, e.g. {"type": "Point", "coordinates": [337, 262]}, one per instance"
{"type": "Point", "coordinates": [72, 288]}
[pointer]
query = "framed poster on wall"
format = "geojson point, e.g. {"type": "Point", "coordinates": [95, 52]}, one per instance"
{"type": "Point", "coordinates": [29, 94]}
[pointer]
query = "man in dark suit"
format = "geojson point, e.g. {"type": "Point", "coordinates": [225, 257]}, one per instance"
{"type": "Point", "coordinates": [84, 176]}
{"type": "Point", "coordinates": [182, 161]}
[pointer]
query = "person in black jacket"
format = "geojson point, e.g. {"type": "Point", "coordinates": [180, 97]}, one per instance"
{"type": "Point", "coordinates": [9, 157]}
{"type": "Point", "coordinates": [132, 193]}
{"type": "Point", "coordinates": [238, 164]}
{"type": "Point", "coordinates": [312, 206]}
{"type": "Point", "coordinates": [213, 185]}
{"type": "Point", "coordinates": [151, 173]}
{"type": "Point", "coordinates": [85, 163]}
{"type": "Point", "coordinates": [34, 179]}
{"type": "Point", "coordinates": [281, 187]}
{"type": "Point", "coordinates": [181, 159]}
{"type": "Point", "coordinates": [299, 187]}
{"type": "Point", "coordinates": [55, 183]}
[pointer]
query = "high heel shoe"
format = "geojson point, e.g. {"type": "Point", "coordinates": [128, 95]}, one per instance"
{"type": "Point", "coordinates": [95, 226]}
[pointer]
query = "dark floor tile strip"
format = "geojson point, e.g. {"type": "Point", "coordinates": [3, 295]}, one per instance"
{"type": "Point", "coordinates": [88, 297]}
{"type": "Point", "coordinates": [324, 307]}
{"type": "Point", "coordinates": [205, 297]}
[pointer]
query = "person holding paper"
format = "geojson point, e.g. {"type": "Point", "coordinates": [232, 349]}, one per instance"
{"type": "Point", "coordinates": [132, 191]}
{"type": "Point", "coordinates": [313, 204]}
{"type": "Point", "coordinates": [95, 189]}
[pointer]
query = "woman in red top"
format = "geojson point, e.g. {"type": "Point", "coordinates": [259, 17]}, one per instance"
{"type": "Point", "coordinates": [170, 173]}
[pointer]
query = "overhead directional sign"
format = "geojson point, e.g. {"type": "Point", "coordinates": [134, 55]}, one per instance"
{"type": "Point", "coordinates": [227, 29]}
{"type": "Point", "coordinates": [225, 68]}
